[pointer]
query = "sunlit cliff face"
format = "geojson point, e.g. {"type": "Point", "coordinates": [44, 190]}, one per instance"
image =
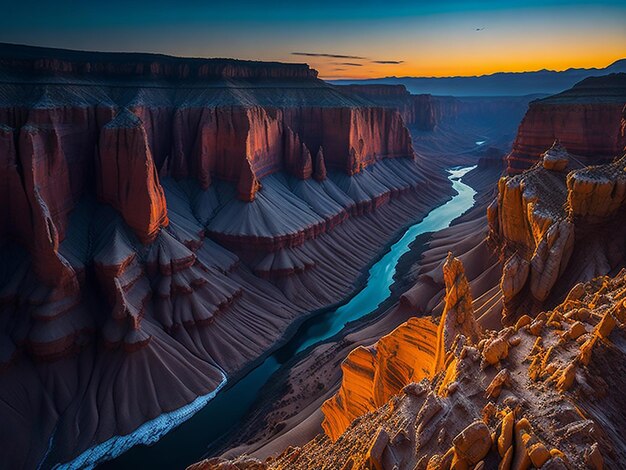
{"type": "Point", "coordinates": [414, 351]}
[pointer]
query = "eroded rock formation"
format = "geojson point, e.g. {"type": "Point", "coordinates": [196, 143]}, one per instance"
{"type": "Point", "coordinates": [127, 176]}
{"type": "Point", "coordinates": [412, 352]}
{"type": "Point", "coordinates": [556, 226]}
{"type": "Point", "coordinates": [522, 397]}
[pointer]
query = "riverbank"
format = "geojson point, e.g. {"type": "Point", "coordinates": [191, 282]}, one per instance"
{"type": "Point", "coordinates": [288, 412]}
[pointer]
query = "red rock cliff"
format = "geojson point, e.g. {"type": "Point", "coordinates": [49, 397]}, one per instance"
{"type": "Point", "coordinates": [587, 119]}
{"type": "Point", "coordinates": [127, 176]}
{"type": "Point", "coordinates": [423, 112]}
{"type": "Point", "coordinates": [123, 178]}
{"type": "Point", "coordinates": [204, 133]}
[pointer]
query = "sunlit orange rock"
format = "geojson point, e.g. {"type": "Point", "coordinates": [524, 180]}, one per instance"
{"type": "Point", "coordinates": [556, 157]}
{"type": "Point", "coordinates": [416, 350]}
{"type": "Point", "coordinates": [597, 193]}
{"type": "Point", "coordinates": [471, 428]}
{"type": "Point", "coordinates": [473, 443]}
{"type": "Point", "coordinates": [372, 375]}
{"type": "Point", "coordinates": [458, 315]}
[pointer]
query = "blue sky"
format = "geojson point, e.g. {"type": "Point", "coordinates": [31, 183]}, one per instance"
{"type": "Point", "coordinates": [445, 37]}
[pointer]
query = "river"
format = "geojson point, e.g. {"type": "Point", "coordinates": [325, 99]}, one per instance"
{"type": "Point", "coordinates": [189, 434]}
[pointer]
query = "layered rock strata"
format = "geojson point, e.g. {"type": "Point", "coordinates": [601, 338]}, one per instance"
{"type": "Point", "coordinates": [587, 119]}
{"type": "Point", "coordinates": [445, 125]}
{"type": "Point", "coordinates": [167, 215]}
{"type": "Point", "coordinates": [423, 112]}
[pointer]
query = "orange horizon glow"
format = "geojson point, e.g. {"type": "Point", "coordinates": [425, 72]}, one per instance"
{"type": "Point", "coordinates": [497, 53]}
{"type": "Point", "coordinates": [413, 70]}
{"type": "Point", "coordinates": [344, 38]}
{"type": "Point", "coordinates": [480, 44]}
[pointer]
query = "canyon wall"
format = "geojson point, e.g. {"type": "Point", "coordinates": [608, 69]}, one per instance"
{"type": "Point", "coordinates": [423, 112]}
{"type": "Point", "coordinates": [64, 135]}
{"type": "Point", "coordinates": [166, 214]}
{"type": "Point", "coordinates": [454, 130]}
{"type": "Point", "coordinates": [587, 119]}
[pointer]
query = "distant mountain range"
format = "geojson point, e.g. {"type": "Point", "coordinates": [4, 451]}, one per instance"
{"type": "Point", "coordinates": [497, 84]}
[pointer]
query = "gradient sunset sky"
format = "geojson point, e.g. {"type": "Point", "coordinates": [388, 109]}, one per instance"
{"type": "Point", "coordinates": [341, 39]}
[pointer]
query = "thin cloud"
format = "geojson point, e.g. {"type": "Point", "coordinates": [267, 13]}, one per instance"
{"type": "Point", "coordinates": [331, 56]}
{"type": "Point", "coordinates": [348, 64]}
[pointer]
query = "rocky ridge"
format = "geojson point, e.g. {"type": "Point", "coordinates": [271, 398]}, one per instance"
{"type": "Point", "coordinates": [524, 396]}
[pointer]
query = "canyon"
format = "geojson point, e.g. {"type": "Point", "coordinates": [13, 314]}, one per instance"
{"type": "Point", "coordinates": [176, 229]}
{"type": "Point", "coordinates": [169, 214]}
{"type": "Point", "coordinates": [169, 221]}
{"type": "Point", "coordinates": [505, 346]}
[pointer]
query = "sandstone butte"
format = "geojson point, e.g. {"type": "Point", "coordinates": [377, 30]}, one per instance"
{"type": "Point", "coordinates": [165, 220]}
{"type": "Point", "coordinates": [588, 119]}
